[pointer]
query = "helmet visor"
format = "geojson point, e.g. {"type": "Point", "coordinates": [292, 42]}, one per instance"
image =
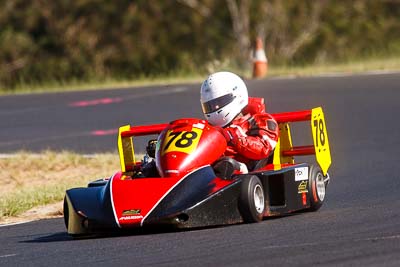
{"type": "Point", "coordinates": [217, 103]}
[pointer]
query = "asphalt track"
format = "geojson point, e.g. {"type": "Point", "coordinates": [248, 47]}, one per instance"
{"type": "Point", "coordinates": [359, 225]}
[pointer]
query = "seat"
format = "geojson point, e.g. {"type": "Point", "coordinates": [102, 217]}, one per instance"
{"type": "Point", "coordinates": [225, 167]}
{"type": "Point", "coordinates": [258, 164]}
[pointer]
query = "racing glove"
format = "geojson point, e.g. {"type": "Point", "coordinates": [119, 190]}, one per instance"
{"type": "Point", "coordinates": [249, 146]}
{"type": "Point", "coordinates": [224, 132]}
{"type": "Point", "coordinates": [234, 135]}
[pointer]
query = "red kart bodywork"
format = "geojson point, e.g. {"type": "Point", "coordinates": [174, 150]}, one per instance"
{"type": "Point", "coordinates": [188, 193]}
{"type": "Point", "coordinates": [173, 162]}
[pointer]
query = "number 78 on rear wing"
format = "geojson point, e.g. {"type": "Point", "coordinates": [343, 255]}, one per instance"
{"type": "Point", "coordinates": [285, 151]}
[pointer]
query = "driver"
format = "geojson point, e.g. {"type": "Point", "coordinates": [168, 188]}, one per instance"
{"type": "Point", "coordinates": [249, 130]}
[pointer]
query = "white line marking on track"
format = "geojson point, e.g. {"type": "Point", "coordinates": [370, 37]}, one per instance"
{"type": "Point", "coordinates": [383, 238]}
{"type": "Point", "coordinates": [378, 238]}
{"type": "Point", "coordinates": [11, 224]}
{"type": "Point", "coordinates": [38, 155]}
{"type": "Point", "coordinates": [336, 74]}
{"type": "Point", "coordinates": [348, 74]}
{"type": "Point", "coordinates": [8, 255]}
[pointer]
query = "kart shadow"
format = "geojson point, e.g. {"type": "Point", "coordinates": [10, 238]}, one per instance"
{"type": "Point", "coordinates": [56, 237]}
{"type": "Point", "coordinates": [64, 236]}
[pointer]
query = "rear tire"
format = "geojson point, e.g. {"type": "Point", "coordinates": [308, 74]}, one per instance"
{"type": "Point", "coordinates": [317, 183]}
{"type": "Point", "coordinates": [252, 200]}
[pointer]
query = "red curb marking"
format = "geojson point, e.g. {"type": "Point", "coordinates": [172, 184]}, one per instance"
{"type": "Point", "coordinates": [102, 101]}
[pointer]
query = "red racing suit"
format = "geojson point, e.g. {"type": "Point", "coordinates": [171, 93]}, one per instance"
{"type": "Point", "coordinates": [252, 136]}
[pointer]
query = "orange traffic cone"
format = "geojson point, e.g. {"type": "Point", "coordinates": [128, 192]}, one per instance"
{"type": "Point", "coordinates": [260, 61]}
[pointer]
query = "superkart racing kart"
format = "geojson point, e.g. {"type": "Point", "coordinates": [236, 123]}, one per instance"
{"type": "Point", "coordinates": [196, 185]}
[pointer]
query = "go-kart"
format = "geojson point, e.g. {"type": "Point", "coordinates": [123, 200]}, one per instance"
{"type": "Point", "coordinates": [195, 185]}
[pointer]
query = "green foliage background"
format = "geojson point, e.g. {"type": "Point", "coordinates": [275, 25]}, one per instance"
{"type": "Point", "coordinates": [44, 41]}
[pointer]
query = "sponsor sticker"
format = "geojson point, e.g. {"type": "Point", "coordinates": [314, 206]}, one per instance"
{"type": "Point", "coordinates": [198, 125]}
{"type": "Point", "coordinates": [130, 217]}
{"type": "Point", "coordinates": [302, 187]}
{"type": "Point", "coordinates": [301, 174]}
{"type": "Point", "coordinates": [131, 212]}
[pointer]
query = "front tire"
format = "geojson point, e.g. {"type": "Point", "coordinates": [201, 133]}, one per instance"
{"type": "Point", "coordinates": [317, 183]}
{"type": "Point", "coordinates": [252, 200]}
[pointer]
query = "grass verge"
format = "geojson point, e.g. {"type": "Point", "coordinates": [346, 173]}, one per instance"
{"type": "Point", "coordinates": [384, 63]}
{"type": "Point", "coordinates": [29, 180]}
{"type": "Point", "coordinates": [106, 83]}
{"type": "Point", "coordinates": [349, 67]}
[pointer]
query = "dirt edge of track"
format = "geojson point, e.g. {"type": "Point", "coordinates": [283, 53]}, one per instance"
{"type": "Point", "coordinates": [54, 210]}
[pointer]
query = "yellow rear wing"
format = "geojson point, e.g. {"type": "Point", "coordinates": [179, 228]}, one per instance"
{"type": "Point", "coordinates": [125, 142]}
{"type": "Point", "coordinates": [126, 149]}
{"type": "Point", "coordinates": [285, 151]}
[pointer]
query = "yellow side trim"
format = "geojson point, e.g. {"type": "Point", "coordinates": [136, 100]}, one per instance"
{"type": "Point", "coordinates": [277, 153]}
{"type": "Point", "coordinates": [286, 142]}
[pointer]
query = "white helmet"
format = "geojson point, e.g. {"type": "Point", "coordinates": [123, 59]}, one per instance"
{"type": "Point", "coordinates": [223, 95]}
